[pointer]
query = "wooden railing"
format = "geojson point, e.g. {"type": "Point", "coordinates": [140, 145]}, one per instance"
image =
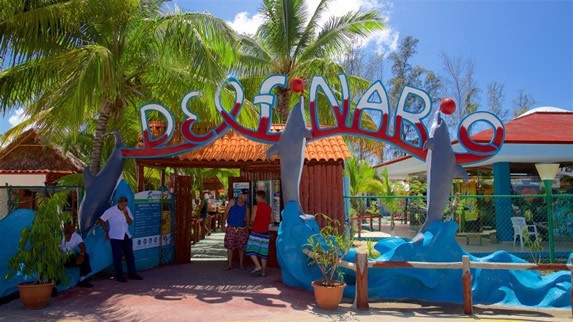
{"type": "Point", "coordinates": [362, 264]}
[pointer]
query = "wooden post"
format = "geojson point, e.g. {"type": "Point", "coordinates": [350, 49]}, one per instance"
{"type": "Point", "coordinates": [162, 182]}
{"type": "Point", "coordinates": [140, 177]}
{"type": "Point", "coordinates": [361, 292]}
{"type": "Point", "coordinates": [467, 285]}
{"type": "Point", "coordinates": [183, 218]}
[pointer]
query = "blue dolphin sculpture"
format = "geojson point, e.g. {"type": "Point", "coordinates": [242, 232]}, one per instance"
{"type": "Point", "coordinates": [99, 189]}
{"type": "Point", "coordinates": [290, 148]}
{"type": "Point", "coordinates": [442, 169]}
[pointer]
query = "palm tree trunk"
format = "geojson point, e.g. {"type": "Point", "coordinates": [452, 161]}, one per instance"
{"type": "Point", "coordinates": [284, 104]}
{"type": "Point", "coordinates": [95, 157]}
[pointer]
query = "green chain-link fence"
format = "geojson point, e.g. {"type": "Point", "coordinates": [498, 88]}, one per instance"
{"type": "Point", "coordinates": [487, 223]}
{"type": "Point", "coordinates": [14, 197]}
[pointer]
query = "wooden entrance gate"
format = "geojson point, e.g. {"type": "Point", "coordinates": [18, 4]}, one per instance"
{"type": "Point", "coordinates": [183, 218]}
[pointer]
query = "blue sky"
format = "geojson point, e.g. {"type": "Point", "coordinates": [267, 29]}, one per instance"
{"type": "Point", "coordinates": [524, 44]}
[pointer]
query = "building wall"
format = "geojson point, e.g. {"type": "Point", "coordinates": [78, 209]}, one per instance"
{"type": "Point", "coordinates": [22, 179]}
{"type": "Point", "coordinates": [320, 187]}
{"type": "Point", "coordinates": [321, 190]}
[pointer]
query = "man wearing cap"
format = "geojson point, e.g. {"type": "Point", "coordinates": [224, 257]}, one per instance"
{"type": "Point", "coordinates": [236, 215]}
{"type": "Point", "coordinates": [120, 217]}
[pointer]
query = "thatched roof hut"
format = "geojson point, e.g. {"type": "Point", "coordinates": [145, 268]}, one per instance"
{"type": "Point", "coordinates": [31, 159]}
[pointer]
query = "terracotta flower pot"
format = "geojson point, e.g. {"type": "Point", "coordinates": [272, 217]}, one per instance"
{"type": "Point", "coordinates": [328, 297]}
{"type": "Point", "coordinates": [35, 296]}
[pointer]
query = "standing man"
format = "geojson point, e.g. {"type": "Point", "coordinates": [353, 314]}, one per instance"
{"type": "Point", "coordinates": [204, 213]}
{"type": "Point", "coordinates": [236, 216]}
{"type": "Point", "coordinates": [71, 244]}
{"type": "Point", "coordinates": [120, 217]}
{"type": "Point", "coordinates": [258, 244]}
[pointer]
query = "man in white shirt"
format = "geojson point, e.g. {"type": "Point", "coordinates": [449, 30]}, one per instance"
{"type": "Point", "coordinates": [120, 217]}
{"type": "Point", "coordinates": [71, 244]}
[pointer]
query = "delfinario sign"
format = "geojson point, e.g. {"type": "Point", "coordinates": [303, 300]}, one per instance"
{"type": "Point", "coordinates": [390, 126]}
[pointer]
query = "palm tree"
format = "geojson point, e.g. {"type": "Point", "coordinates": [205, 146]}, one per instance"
{"type": "Point", "coordinates": [289, 42]}
{"type": "Point", "coordinates": [76, 61]}
{"type": "Point", "coordinates": [362, 177]}
{"type": "Point", "coordinates": [383, 186]}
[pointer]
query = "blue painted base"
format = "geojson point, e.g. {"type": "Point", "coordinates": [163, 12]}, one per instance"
{"type": "Point", "coordinates": [438, 244]}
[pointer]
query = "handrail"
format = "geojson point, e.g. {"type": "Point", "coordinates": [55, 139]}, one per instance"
{"type": "Point", "coordinates": [555, 195]}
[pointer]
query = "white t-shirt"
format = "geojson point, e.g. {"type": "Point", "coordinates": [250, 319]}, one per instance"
{"type": "Point", "coordinates": [118, 226]}
{"type": "Point", "coordinates": [71, 245]}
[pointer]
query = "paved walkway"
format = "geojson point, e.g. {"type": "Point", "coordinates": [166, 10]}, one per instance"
{"type": "Point", "coordinates": [202, 291]}
{"type": "Point", "coordinates": [210, 248]}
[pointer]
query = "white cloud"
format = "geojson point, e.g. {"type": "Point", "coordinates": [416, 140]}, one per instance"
{"type": "Point", "coordinates": [244, 24]}
{"type": "Point", "coordinates": [17, 117]}
{"type": "Point", "coordinates": [384, 41]}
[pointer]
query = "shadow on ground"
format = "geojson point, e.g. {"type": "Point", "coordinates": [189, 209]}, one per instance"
{"type": "Point", "coordinates": [203, 291]}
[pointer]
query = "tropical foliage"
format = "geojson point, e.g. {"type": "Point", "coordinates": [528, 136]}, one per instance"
{"type": "Point", "coordinates": [296, 42]}
{"type": "Point", "coordinates": [87, 64]}
{"type": "Point", "coordinates": [329, 246]}
{"type": "Point", "coordinates": [81, 68]}
{"type": "Point", "coordinates": [39, 254]}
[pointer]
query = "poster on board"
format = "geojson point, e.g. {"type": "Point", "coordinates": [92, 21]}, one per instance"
{"type": "Point", "coordinates": [237, 186]}
{"type": "Point", "coordinates": [151, 227]}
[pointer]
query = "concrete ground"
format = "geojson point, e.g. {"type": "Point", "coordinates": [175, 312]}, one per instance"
{"type": "Point", "coordinates": [203, 291]}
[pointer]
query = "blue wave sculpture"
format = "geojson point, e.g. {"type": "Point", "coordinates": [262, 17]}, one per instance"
{"type": "Point", "coordinates": [437, 244]}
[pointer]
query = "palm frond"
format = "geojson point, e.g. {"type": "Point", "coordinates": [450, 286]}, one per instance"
{"type": "Point", "coordinates": [309, 33]}
{"type": "Point", "coordinates": [338, 32]}
{"type": "Point", "coordinates": [282, 28]}
{"type": "Point", "coordinates": [37, 28]}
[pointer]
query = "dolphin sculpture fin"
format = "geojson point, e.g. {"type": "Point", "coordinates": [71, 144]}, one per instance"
{"type": "Point", "coordinates": [88, 178]}
{"type": "Point", "coordinates": [429, 144]}
{"type": "Point", "coordinates": [308, 133]}
{"type": "Point", "coordinates": [460, 172]}
{"type": "Point", "coordinates": [273, 150]}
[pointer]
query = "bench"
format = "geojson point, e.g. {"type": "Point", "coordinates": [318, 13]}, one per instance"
{"type": "Point", "coordinates": [476, 238]}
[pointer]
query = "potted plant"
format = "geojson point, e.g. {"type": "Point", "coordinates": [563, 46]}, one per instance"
{"type": "Point", "coordinates": [329, 246]}
{"type": "Point", "coordinates": [39, 255]}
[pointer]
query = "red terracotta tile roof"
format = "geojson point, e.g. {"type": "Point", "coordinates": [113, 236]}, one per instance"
{"type": "Point", "coordinates": [535, 128]}
{"type": "Point", "coordinates": [236, 148]}
{"type": "Point", "coordinates": [539, 127]}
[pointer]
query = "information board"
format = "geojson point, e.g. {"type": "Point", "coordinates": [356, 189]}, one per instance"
{"type": "Point", "coordinates": [147, 229]}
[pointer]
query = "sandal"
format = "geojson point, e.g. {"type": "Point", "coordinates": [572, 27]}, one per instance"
{"type": "Point", "coordinates": [256, 270]}
{"type": "Point", "coordinates": [228, 268]}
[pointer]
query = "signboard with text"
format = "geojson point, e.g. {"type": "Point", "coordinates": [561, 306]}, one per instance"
{"type": "Point", "coordinates": [152, 227]}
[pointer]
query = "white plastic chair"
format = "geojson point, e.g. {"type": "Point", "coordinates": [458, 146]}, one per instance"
{"type": "Point", "coordinates": [519, 226]}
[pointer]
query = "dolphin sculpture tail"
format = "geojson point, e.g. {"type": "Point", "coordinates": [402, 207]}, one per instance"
{"type": "Point", "coordinates": [99, 188]}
